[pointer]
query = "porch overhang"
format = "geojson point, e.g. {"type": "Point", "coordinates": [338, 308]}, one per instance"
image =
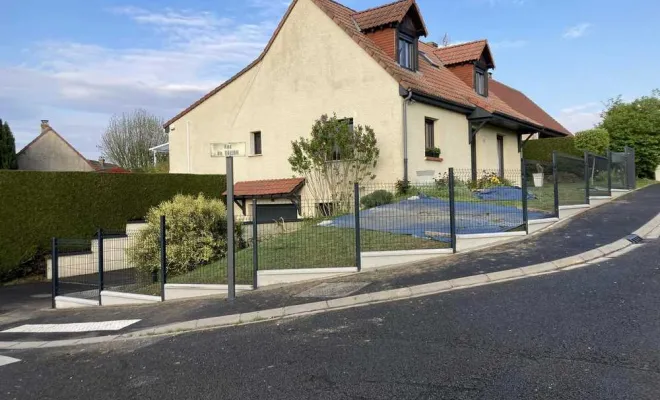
{"type": "Point", "coordinates": [271, 189]}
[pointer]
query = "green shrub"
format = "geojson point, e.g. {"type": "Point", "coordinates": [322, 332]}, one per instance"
{"type": "Point", "coordinates": [402, 187]}
{"type": "Point", "coordinates": [377, 198]}
{"type": "Point", "coordinates": [541, 149]}
{"type": "Point", "coordinates": [36, 206]}
{"type": "Point", "coordinates": [196, 234]}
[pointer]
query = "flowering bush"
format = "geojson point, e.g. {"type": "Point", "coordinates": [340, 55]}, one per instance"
{"type": "Point", "coordinates": [489, 180]}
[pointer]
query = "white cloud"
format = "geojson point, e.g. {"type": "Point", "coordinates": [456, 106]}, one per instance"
{"type": "Point", "coordinates": [509, 44]}
{"type": "Point", "coordinates": [65, 81]}
{"type": "Point", "coordinates": [580, 117]}
{"type": "Point", "coordinates": [577, 31]}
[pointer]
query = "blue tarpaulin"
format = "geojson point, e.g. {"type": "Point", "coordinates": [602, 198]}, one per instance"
{"type": "Point", "coordinates": [501, 193]}
{"type": "Point", "coordinates": [428, 217]}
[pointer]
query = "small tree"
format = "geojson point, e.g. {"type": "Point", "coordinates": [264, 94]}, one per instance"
{"type": "Point", "coordinates": [7, 147]}
{"type": "Point", "coordinates": [636, 124]}
{"type": "Point", "coordinates": [336, 156]}
{"type": "Point", "coordinates": [128, 138]}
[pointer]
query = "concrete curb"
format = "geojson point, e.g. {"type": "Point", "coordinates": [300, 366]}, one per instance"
{"type": "Point", "coordinates": [588, 258]}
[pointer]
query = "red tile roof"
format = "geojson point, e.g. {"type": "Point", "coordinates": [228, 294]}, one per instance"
{"type": "Point", "coordinates": [271, 187]}
{"type": "Point", "coordinates": [436, 81]}
{"type": "Point", "coordinates": [383, 15]}
{"type": "Point", "coordinates": [461, 53]}
{"type": "Point", "coordinates": [525, 105]}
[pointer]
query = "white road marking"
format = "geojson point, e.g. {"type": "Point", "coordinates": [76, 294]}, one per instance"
{"type": "Point", "coordinates": [7, 360]}
{"type": "Point", "coordinates": [72, 328]}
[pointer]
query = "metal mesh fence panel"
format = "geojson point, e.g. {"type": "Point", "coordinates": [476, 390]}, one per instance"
{"type": "Point", "coordinates": [323, 236]}
{"type": "Point", "coordinates": [201, 257]}
{"type": "Point", "coordinates": [491, 203]}
{"type": "Point", "coordinates": [620, 174]}
{"type": "Point", "coordinates": [571, 180]}
{"type": "Point", "coordinates": [540, 189]}
{"type": "Point", "coordinates": [405, 217]}
{"type": "Point", "coordinates": [131, 261]}
{"type": "Point", "coordinates": [77, 271]}
{"type": "Point", "coordinates": [598, 175]}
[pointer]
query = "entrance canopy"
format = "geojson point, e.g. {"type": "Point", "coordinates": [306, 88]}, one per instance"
{"type": "Point", "coordinates": [161, 148]}
{"type": "Point", "coordinates": [268, 189]}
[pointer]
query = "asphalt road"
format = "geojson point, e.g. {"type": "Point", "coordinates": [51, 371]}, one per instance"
{"type": "Point", "coordinates": [590, 333]}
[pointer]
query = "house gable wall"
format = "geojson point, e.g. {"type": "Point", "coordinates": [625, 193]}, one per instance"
{"type": "Point", "coordinates": [312, 68]}
{"type": "Point", "coordinates": [51, 153]}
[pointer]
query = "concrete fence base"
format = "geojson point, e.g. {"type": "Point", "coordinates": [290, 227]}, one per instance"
{"type": "Point", "coordinates": [569, 211]}
{"type": "Point", "coordinates": [535, 225]}
{"type": "Point", "coordinates": [175, 291]}
{"type": "Point", "coordinates": [73, 302]}
{"type": "Point", "coordinates": [376, 259]}
{"type": "Point", "coordinates": [619, 192]}
{"type": "Point", "coordinates": [109, 298]}
{"type": "Point", "coordinates": [281, 276]}
{"type": "Point", "coordinates": [480, 240]}
{"type": "Point", "coordinates": [595, 201]}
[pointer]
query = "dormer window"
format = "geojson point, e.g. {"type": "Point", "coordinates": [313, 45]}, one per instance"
{"type": "Point", "coordinates": [480, 82]}
{"type": "Point", "coordinates": [407, 50]}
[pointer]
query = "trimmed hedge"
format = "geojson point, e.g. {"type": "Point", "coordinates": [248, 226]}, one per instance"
{"type": "Point", "coordinates": [541, 149]}
{"type": "Point", "coordinates": [36, 206]}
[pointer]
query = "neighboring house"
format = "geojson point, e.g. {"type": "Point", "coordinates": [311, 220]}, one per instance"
{"type": "Point", "coordinates": [369, 67]}
{"type": "Point", "coordinates": [51, 152]}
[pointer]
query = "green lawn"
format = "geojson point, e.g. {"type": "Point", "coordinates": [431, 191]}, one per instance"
{"type": "Point", "coordinates": [643, 182]}
{"type": "Point", "coordinates": [309, 247]}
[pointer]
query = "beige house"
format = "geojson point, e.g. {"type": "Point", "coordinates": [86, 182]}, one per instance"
{"type": "Point", "coordinates": [369, 66]}
{"type": "Point", "coordinates": [51, 152]}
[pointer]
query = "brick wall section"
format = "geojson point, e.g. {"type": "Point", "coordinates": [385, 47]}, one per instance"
{"type": "Point", "coordinates": [385, 39]}
{"type": "Point", "coordinates": [464, 72]}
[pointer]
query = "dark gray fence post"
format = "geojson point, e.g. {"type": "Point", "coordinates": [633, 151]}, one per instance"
{"type": "Point", "coordinates": [358, 247]}
{"type": "Point", "coordinates": [555, 175]}
{"type": "Point", "coordinates": [631, 173]}
{"type": "Point", "coordinates": [163, 257]}
{"type": "Point", "coordinates": [54, 272]}
{"type": "Point", "coordinates": [452, 209]}
{"type": "Point", "coordinates": [231, 249]}
{"type": "Point", "coordinates": [587, 186]}
{"type": "Point", "coordinates": [523, 169]}
{"type": "Point", "coordinates": [609, 173]}
{"type": "Point", "coordinates": [99, 239]}
{"type": "Point", "coordinates": [255, 250]}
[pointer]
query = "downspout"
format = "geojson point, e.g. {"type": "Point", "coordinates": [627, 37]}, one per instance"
{"type": "Point", "coordinates": [188, 143]}
{"type": "Point", "coordinates": [406, 100]}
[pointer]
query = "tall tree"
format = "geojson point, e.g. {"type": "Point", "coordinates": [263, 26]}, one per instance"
{"type": "Point", "coordinates": [335, 156]}
{"type": "Point", "coordinates": [636, 124]}
{"type": "Point", "coordinates": [596, 140]}
{"type": "Point", "coordinates": [128, 138]}
{"type": "Point", "coordinates": [7, 147]}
